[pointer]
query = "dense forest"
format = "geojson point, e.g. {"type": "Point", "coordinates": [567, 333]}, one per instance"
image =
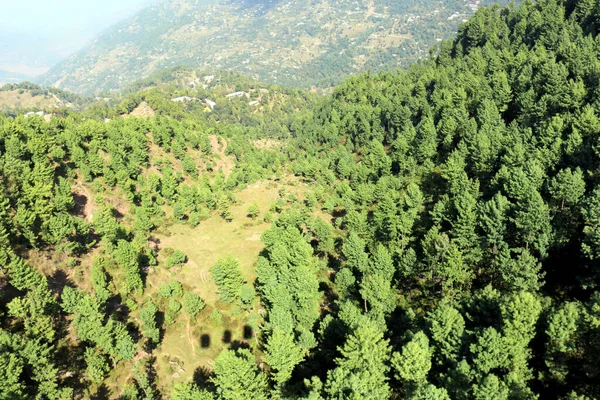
{"type": "Point", "coordinates": [424, 234]}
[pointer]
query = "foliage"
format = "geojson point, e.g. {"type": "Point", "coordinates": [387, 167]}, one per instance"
{"type": "Point", "coordinates": [192, 304]}
{"type": "Point", "coordinates": [177, 258]}
{"type": "Point", "coordinates": [441, 239]}
{"type": "Point", "coordinates": [237, 377]}
{"type": "Point", "coordinates": [228, 278]}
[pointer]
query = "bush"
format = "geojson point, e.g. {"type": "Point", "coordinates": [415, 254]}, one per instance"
{"type": "Point", "coordinates": [173, 309]}
{"type": "Point", "coordinates": [194, 219]}
{"type": "Point", "coordinates": [268, 218]}
{"type": "Point", "coordinates": [177, 288]}
{"type": "Point", "coordinates": [253, 210]}
{"type": "Point", "coordinates": [192, 304]}
{"type": "Point", "coordinates": [177, 258]}
{"type": "Point", "coordinates": [165, 290]}
{"type": "Point", "coordinates": [216, 317]}
{"type": "Point", "coordinates": [246, 296]}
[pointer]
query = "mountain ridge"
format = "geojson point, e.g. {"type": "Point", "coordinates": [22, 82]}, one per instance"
{"type": "Point", "coordinates": [286, 42]}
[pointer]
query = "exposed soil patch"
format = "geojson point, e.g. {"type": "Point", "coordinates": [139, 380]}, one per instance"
{"type": "Point", "coordinates": [84, 205]}
{"type": "Point", "coordinates": [226, 163]}
{"type": "Point", "coordinates": [143, 110]}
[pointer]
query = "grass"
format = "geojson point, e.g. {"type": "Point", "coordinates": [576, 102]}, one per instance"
{"type": "Point", "coordinates": [13, 99]}
{"type": "Point", "coordinates": [192, 345]}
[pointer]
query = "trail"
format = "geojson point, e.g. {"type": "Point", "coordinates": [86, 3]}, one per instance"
{"type": "Point", "coordinates": [190, 339]}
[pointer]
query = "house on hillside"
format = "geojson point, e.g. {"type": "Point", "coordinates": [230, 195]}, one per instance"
{"type": "Point", "coordinates": [237, 94]}
{"type": "Point", "coordinates": [184, 98]}
{"type": "Point", "coordinates": [32, 113]}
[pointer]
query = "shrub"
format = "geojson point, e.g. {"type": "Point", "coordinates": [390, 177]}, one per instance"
{"type": "Point", "coordinates": [177, 258]}
{"type": "Point", "coordinates": [192, 304]}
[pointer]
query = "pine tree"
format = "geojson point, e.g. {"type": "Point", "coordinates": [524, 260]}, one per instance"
{"type": "Point", "coordinates": [283, 354]}
{"type": "Point", "coordinates": [412, 365]}
{"type": "Point", "coordinates": [228, 278]}
{"type": "Point", "coordinates": [361, 372]}
{"type": "Point", "coordinates": [192, 304]}
{"type": "Point", "coordinates": [237, 377]}
{"type": "Point", "coordinates": [148, 316]}
{"type": "Point", "coordinates": [354, 251]}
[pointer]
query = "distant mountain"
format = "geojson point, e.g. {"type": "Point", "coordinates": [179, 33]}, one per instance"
{"type": "Point", "coordinates": [291, 42]}
{"type": "Point", "coordinates": [24, 56]}
{"type": "Point", "coordinates": [11, 77]}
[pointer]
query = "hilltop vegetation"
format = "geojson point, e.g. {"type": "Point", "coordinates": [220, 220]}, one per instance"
{"type": "Point", "coordinates": [26, 96]}
{"type": "Point", "coordinates": [423, 234]}
{"type": "Point", "coordinates": [291, 42]}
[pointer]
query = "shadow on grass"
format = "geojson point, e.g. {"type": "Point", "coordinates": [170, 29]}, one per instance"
{"type": "Point", "coordinates": [226, 337]}
{"type": "Point", "coordinates": [248, 332]}
{"type": "Point", "coordinates": [205, 341]}
{"type": "Point", "coordinates": [103, 393]}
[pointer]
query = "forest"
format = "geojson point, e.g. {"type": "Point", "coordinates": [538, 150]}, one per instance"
{"type": "Point", "coordinates": [426, 234]}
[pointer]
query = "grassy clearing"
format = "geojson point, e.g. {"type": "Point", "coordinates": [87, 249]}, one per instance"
{"type": "Point", "coordinates": [187, 346]}
{"type": "Point", "coordinates": [191, 345]}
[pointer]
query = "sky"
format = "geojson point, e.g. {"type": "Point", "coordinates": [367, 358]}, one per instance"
{"type": "Point", "coordinates": [37, 32]}
{"type": "Point", "coordinates": [63, 17]}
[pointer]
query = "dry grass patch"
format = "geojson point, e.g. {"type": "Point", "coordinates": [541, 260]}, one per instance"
{"type": "Point", "coordinates": [268, 144]}
{"type": "Point", "coordinates": [190, 346]}
{"type": "Point", "coordinates": [224, 162]}
{"type": "Point", "coordinates": [13, 99]}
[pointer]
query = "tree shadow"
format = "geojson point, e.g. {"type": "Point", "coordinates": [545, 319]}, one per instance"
{"type": "Point", "coordinates": [248, 332]}
{"type": "Point", "coordinates": [238, 344]}
{"type": "Point", "coordinates": [338, 213]}
{"type": "Point", "coordinates": [103, 393]}
{"type": "Point", "coordinates": [116, 307]}
{"type": "Point", "coordinates": [71, 358]}
{"type": "Point", "coordinates": [58, 281]}
{"type": "Point", "coordinates": [160, 323]}
{"type": "Point", "coordinates": [226, 337]}
{"type": "Point", "coordinates": [116, 213]}
{"type": "Point", "coordinates": [155, 243]}
{"type": "Point", "coordinates": [80, 201]}
{"type": "Point", "coordinates": [134, 331]}
{"type": "Point", "coordinates": [205, 341]}
{"type": "Point", "coordinates": [203, 378]}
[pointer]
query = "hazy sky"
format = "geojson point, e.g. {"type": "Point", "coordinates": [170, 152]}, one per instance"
{"type": "Point", "coordinates": [64, 16]}
{"type": "Point", "coordinates": [74, 22]}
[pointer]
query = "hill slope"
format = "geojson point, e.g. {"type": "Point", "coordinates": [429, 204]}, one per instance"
{"type": "Point", "coordinates": [426, 234]}
{"type": "Point", "coordinates": [26, 96]}
{"type": "Point", "coordinates": [288, 42]}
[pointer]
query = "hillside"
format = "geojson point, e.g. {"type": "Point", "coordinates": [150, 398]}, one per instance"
{"type": "Point", "coordinates": [26, 96]}
{"type": "Point", "coordinates": [290, 42]}
{"type": "Point", "coordinates": [423, 234]}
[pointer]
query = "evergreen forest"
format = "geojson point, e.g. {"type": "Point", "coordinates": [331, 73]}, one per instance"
{"type": "Point", "coordinates": [429, 234]}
